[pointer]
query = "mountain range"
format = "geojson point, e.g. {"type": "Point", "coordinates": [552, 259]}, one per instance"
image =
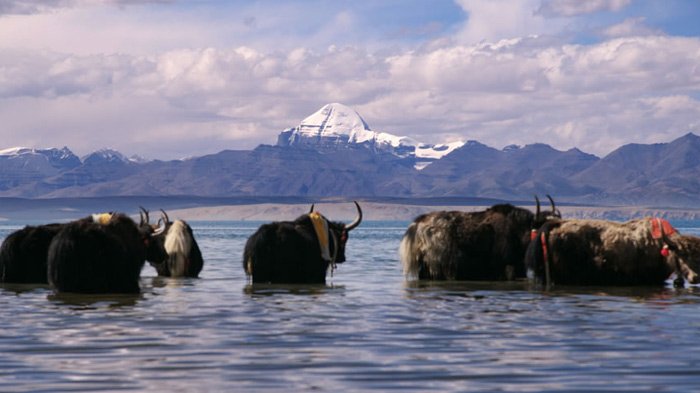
{"type": "Point", "coordinates": [334, 152]}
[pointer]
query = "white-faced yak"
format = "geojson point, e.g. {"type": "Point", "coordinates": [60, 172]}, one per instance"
{"type": "Point", "coordinates": [596, 252]}
{"type": "Point", "coordinates": [484, 245]}
{"type": "Point", "coordinates": [102, 254]}
{"type": "Point", "coordinates": [174, 251]}
{"type": "Point", "coordinates": [298, 251]}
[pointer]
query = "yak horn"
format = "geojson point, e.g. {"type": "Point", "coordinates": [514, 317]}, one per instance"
{"type": "Point", "coordinates": [165, 216]}
{"type": "Point", "coordinates": [357, 221]}
{"type": "Point", "coordinates": [161, 228]}
{"type": "Point", "coordinates": [554, 208]}
{"type": "Point", "coordinates": [312, 209]}
{"type": "Point", "coordinates": [144, 216]}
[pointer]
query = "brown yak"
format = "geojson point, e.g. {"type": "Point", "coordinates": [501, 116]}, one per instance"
{"type": "Point", "coordinates": [596, 252]}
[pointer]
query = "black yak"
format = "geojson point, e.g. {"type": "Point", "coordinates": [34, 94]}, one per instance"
{"type": "Point", "coordinates": [173, 251]}
{"type": "Point", "coordinates": [298, 251]}
{"type": "Point", "coordinates": [101, 254]}
{"type": "Point", "coordinates": [483, 245]}
{"type": "Point", "coordinates": [596, 252]}
{"type": "Point", "coordinates": [23, 254]}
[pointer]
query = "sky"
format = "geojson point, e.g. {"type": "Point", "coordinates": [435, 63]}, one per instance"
{"type": "Point", "coordinates": [168, 79]}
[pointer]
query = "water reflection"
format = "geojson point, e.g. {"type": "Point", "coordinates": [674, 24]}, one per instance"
{"type": "Point", "coordinates": [367, 329]}
{"type": "Point", "coordinates": [259, 289]}
{"type": "Point", "coordinates": [81, 301]}
{"type": "Point", "coordinates": [17, 289]}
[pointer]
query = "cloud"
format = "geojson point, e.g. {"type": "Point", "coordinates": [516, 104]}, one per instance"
{"type": "Point", "coordinates": [630, 27]}
{"type": "Point", "coordinates": [28, 7]}
{"type": "Point", "coordinates": [494, 20]}
{"type": "Point", "coordinates": [196, 101]}
{"type": "Point", "coordinates": [569, 8]}
{"type": "Point", "coordinates": [180, 82]}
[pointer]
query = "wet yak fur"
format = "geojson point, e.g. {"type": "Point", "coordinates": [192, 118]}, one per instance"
{"type": "Point", "coordinates": [23, 254]}
{"type": "Point", "coordinates": [102, 255]}
{"type": "Point", "coordinates": [288, 251]}
{"type": "Point", "coordinates": [597, 252]}
{"type": "Point", "coordinates": [484, 245]}
{"type": "Point", "coordinates": [175, 252]}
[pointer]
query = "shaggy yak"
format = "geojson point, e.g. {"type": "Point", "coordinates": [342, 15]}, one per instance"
{"type": "Point", "coordinates": [100, 254]}
{"type": "Point", "coordinates": [174, 252]}
{"type": "Point", "coordinates": [483, 245]}
{"type": "Point", "coordinates": [596, 252]}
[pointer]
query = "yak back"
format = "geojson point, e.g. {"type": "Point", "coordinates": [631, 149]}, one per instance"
{"type": "Point", "coordinates": [90, 257]}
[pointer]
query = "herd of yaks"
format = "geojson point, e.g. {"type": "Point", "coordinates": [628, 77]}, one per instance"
{"type": "Point", "coordinates": [105, 253]}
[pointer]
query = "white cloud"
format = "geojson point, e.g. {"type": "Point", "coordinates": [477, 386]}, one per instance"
{"type": "Point", "coordinates": [630, 27]}
{"type": "Point", "coordinates": [494, 20]}
{"type": "Point", "coordinates": [594, 97]}
{"type": "Point", "coordinates": [26, 7]}
{"type": "Point", "coordinates": [156, 91]}
{"type": "Point", "coordinates": [568, 8]}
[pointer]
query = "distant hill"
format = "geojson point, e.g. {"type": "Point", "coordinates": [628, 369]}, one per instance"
{"type": "Point", "coordinates": [334, 152]}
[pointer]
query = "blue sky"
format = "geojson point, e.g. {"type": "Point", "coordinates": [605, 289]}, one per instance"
{"type": "Point", "coordinates": [170, 79]}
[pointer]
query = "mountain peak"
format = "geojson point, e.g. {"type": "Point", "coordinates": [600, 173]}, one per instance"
{"type": "Point", "coordinates": [339, 126]}
{"type": "Point", "coordinates": [333, 124]}
{"type": "Point", "coordinates": [334, 118]}
{"type": "Point", "coordinates": [108, 155]}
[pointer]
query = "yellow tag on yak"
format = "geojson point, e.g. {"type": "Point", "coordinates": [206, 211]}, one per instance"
{"type": "Point", "coordinates": [321, 227]}
{"type": "Point", "coordinates": [102, 218]}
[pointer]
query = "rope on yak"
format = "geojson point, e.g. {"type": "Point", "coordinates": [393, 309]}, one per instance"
{"type": "Point", "coordinates": [545, 257]}
{"type": "Point", "coordinates": [659, 229]}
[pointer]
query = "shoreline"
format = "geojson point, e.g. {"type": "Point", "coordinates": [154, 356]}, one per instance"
{"type": "Point", "coordinates": [375, 211]}
{"type": "Point", "coordinates": [282, 208]}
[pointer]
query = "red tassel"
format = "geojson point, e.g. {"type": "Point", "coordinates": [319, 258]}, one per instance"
{"type": "Point", "coordinates": [533, 234]}
{"type": "Point", "coordinates": [664, 250]}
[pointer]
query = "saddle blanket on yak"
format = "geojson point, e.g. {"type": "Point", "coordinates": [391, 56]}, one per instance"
{"type": "Point", "coordinates": [661, 227]}
{"type": "Point", "coordinates": [321, 227]}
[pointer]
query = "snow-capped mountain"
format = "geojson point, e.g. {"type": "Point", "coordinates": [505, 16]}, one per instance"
{"type": "Point", "coordinates": [19, 165]}
{"type": "Point", "coordinates": [55, 158]}
{"type": "Point", "coordinates": [105, 155]}
{"type": "Point", "coordinates": [337, 126]}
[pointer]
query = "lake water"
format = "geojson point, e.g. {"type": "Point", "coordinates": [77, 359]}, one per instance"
{"type": "Point", "coordinates": [367, 329]}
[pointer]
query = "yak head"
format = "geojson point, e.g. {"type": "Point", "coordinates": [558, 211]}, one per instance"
{"type": "Point", "coordinates": [338, 231]}
{"type": "Point", "coordinates": [153, 236]}
{"type": "Point", "coordinates": [685, 256]}
{"type": "Point", "coordinates": [543, 216]}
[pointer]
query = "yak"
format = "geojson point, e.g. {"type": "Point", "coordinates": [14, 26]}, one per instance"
{"type": "Point", "coordinates": [173, 251]}
{"type": "Point", "coordinates": [299, 251]}
{"type": "Point", "coordinates": [24, 253]}
{"type": "Point", "coordinates": [100, 254]}
{"type": "Point", "coordinates": [597, 252]}
{"type": "Point", "coordinates": [483, 245]}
